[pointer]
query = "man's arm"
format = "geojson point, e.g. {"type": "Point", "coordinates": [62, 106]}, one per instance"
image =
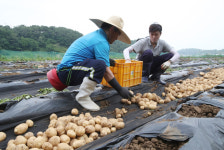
{"type": "Point", "coordinates": [126, 54]}
{"type": "Point", "coordinates": [109, 77]}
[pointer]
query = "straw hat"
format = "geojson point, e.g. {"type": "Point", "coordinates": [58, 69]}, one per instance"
{"type": "Point", "coordinates": [118, 23]}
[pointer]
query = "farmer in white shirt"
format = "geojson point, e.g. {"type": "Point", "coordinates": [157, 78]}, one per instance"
{"type": "Point", "coordinates": [149, 51]}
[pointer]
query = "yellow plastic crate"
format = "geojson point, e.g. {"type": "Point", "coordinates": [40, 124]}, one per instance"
{"type": "Point", "coordinates": [127, 74]}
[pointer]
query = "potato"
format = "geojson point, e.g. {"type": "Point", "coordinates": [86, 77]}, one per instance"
{"type": "Point", "coordinates": [98, 127]}
{"type": "Point", "coordinates": [40, 133]}
{"type": "Point", "coordinates": [88, 140]}
{"type": "Point", "coordinates": [29, 123]}
{"type": "Point", "coordinates": [21, 128]}
{"type": "Point", "coordinates": [89, 129]}
{"type": "Point", "coordinates": [28, 135]}
{"type": "Point", "coordinates": [71, 133]}
{"type": "Point", "coordinates": [120, 125]}
{"type": "Point", "coordinates": [21, 147]}
{"type": "Point", "coordinates": [113, 129]}
{"type": "Point", "coordinates": [64, 146]}
{"type": "Point", "coordinates": [20, 140]}
{"type": "Point", "coordinates": [30, 142]}
{"type": "Point", "coordinates": [2, 136]}
{"type": "Point", "coordinates": [60, 130]}
{"type": "Point", "coordinates": [52, 123]}
{"type": "Point", "coordinates": [53, 116]}
{"type": "Point", "coordinates": [47, 146]}
{"type": "Point", "coordinates": [80, 130]}
{"type": "Point", "coordinates": [11, 146]}
{"type": "Point", "coordinates": [10, 142]}
{"type": "Point", "coordinates": [50, 132]}
{"type": "Point", "coordinates": [103, 132]}
{"type": "Point", "coordinates": [94, 135]}
{"type": "Point", "coordinates": [54, 140]}
{"type": "Point", "coordinates": [70, 126]}
{"type": "Point", "coordinates": [38, 142]}
{"type": "Point", "coordinates": [78, 143]}
{"type": "Point", "coordinates": [64, 139]}
{"type": "Point", "coordinates": [74, 111]}
{"type": "Point", "coordinates": [124, 101]}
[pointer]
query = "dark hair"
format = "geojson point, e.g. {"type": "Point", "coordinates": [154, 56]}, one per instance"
{"type": "Point", "coordinates": [106, 26]}
{"type": "Point", "coordinates": [155, 27]}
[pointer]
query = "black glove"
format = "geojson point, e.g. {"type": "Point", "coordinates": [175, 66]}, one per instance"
{"type": "Point", "coordinates": [121, 90]}
{"type": "Point", "coordinates": [112, 62]}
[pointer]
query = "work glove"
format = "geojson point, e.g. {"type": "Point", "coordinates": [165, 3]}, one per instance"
{"type": "Point", "coordinates": [123, 91]}
{"type": "Point", "coordinates": [112, 62]}
{"type": "Point", "coordinates": [166, 65]}
{"type": "Point", "coordinates": [127, 61]}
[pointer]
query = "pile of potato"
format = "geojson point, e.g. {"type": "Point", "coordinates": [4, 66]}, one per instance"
{"type": "Point", "coordinates": [191, 86]}
{"type": "Point", "coordinates": [179, 90]}
{"type": "Point", "coordinates": [67, 132]}
{"type": "Point", "coordinates": [145, 101]}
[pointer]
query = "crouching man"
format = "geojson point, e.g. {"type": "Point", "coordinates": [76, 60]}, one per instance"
{"type": "Point", "coordinates": [149, 51]}
{"type": "Point", "coordinates": [86, 62]}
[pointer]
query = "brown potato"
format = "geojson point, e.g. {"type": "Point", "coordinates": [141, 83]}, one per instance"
{"type": "Point", "coordinates": [21, 128]}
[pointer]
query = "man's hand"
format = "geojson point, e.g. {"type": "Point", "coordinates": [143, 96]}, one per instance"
{"type": "Point", "coordinates": [121, 90]}
{"type": "Point", "coordinates": [125, 93]}
{"type": "Point", "coordinates": [166, 65]}
{"type": "Point", "coordinates": [112, 62]}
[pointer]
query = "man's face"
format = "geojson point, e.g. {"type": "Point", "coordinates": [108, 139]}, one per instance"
{"type": "Point", "coordinates": [114, 33]}
{"type": "Point", "coordinates": [154, 36]}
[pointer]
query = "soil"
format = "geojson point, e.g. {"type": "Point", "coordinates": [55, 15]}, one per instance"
{"type": "Point", "coordinates": [141, 143]}
{"type": "Point", "coordinates": [201, 111]}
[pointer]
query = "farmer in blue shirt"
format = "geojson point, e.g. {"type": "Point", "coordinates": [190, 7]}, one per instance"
{"type": "Point", "coordinates": [87, 61]}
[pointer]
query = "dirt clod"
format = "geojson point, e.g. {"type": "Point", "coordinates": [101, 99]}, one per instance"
{"type": "Point", "coordinates": [140, 143]}
{"type": "Point", "coordinates": [201, 111]}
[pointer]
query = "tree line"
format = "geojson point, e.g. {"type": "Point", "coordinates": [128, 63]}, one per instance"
{"type": "Point", "coordinates": [43, 38]}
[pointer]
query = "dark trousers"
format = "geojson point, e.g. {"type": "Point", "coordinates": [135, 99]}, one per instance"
{"type": "Point", "coordinates": [152, 64]}
{"type": "Point", "coordinates": [92, 68]}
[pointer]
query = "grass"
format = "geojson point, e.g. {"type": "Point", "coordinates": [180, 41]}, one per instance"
{"type": "Point", "coordinates": [9, 55]}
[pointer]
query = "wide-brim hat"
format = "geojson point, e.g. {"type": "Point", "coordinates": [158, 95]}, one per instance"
{"type": "Point", "coordinates": [118, 23]}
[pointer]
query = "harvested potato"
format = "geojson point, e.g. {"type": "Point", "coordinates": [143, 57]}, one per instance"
{"type": "Point", "coordinates": [29, 123]}
{"type": "Point", "coordinates": [47, 146]}
{"type": "Point", "coordinates": [80, 130]}
{"type": "Point", "coordinates": [20, 140]}
{"type": "Point", "coordinates": [71, 133]}
{"type": "Point", "coordinates": [11, 146]}
{"type": "Point", "coordinates": [98, 127]}
{"type": "Point", "coordinates": [64, 139]}
{"type": "Point", "coordinates": [74, 111]}
{"type": "Point", "coordinates": [60, 130]}
{"type": "Point", "coordinates": [30, 142]}
{"type": "Point", "coordinates": [50, 132]}
{"type": "Point", "coordinates": [21, 147]}
{"type": "Point", "coordinates": [89, 129]}
{"type": "Point", "coordinates": [54, 140]}
{"type": "Point", "coordinates": [53, 116]}
{"type": "Point", "coordinates": [64, 146]}
{"type": "Point", "coordinates": [28, 135]}
{"type": "Point", "coordinates": [120, 125]}
{"type": "Point", "coordinates": [40, 133]}
{"type": "Point", "coordinates": [78, 143]}
{"type": "Point", "coordinates": [94, 135]}
{"type": "Point", "coordinates": [38, 142]}
{"type": "Point", "coordinates": [2, 136]}
{"type": "Point", "coordinates": [21, 128]}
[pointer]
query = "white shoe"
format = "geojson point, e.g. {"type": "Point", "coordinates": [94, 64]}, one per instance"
{"type": "Point", "coordinates": [83, 97]}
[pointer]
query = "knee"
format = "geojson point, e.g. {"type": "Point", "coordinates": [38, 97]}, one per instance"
{"type": "Point", "coordinates": [147, 56]}
{"type": "Point", "coordinates": [101, 65]}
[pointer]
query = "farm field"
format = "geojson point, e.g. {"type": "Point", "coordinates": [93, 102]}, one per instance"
{"type": "Point", "coordinates": [191, 103]}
